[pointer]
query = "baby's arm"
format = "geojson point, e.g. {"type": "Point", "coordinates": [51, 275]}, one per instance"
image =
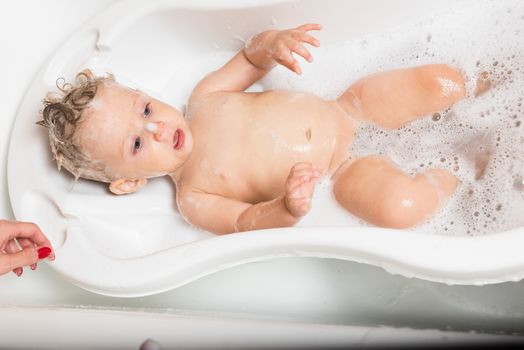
{"type": "Point", "coordinates": [260, 54]}
{"type": "Point", "coordinates": [223, 215]}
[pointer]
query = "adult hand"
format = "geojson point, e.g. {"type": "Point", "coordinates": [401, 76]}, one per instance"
{"type": "Point", "coordinates": [22, 244]}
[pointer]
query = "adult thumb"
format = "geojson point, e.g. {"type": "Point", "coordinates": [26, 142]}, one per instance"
{"type": "Point", "coordinates": [25, 257]}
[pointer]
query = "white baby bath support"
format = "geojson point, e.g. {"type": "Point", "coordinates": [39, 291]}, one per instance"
{"type": "Point", "coordinates": [138, 245]}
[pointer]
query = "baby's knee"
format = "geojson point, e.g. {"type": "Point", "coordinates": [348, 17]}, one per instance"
{"type": "Point", "coordinates": [443, 81]}
{"type": "Point", "coordinates": [403, 211]}
{"type": "Point", "coordinates": [410, 203]}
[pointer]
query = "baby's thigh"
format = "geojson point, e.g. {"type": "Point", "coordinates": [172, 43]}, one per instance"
{"type": "Point", "coordinates": [396, 97]}
{"type": "Point", "coordinates": [374, 189]}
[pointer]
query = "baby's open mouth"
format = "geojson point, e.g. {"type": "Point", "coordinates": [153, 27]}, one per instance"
{"type": "Point", "coordinates": [178, 139]}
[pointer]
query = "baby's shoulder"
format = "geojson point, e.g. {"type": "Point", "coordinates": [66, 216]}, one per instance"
{"type": "Point", "coordinates": [215, 102]}
{"type": "Point", "coordinates": [192, 200]}
{"type": "Point", "coordinates": [191, 181]}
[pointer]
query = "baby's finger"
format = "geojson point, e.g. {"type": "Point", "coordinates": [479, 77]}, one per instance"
{"type": "Point", "coordinates": [301, 165]}
{"type": "Point", "coordinates": [293, 183]}
{"type": "Point", "coordinates": [306, 38]}
{"type": "Point", "coordinates": [299, 193]}
{"type": "Point", "coordinates": [300, 189]}
{"type": "Point", "coordinates": [299, 49]}
{"type": "Point", "coordinates": [302, 172]}
{"type": "Point", "coordinates": [297, 203]}
{"type": "Point", "coordinates": [301, 205]}
{"type": "Point", "coordinates": [297, 208]}
{"type": "Point", "coordinates": [313, 170]}
{"type": "Point", "coordinates": [309, 26]}
{"type": "Point", "coordinates": [304, 189]}
{"type": "Point", "coordinates": [287, 60]}
{"type": "Point", "coordinates": [304, 208]}
{"type": "Point", "coordinates": [303, 178]}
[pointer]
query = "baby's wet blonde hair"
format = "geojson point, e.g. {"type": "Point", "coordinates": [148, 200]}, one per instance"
{"type": "Point", "coordinates": [63, 112]}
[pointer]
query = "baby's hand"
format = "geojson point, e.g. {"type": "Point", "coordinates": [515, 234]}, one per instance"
{"type": "Point", "coordinates": [279, 45]}
{"type": "Point", "coordinates": [299, 188]}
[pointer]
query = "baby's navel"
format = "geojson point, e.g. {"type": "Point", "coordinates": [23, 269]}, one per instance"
{"type": "Point", "coordinates": [308, 134]}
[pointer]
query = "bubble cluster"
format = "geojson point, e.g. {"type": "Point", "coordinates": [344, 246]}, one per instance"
{"type": "Point", "coordinates": [480, 139]}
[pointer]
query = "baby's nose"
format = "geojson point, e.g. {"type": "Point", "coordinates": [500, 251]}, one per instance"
{"type": "Point", "coordinates": [156, 128]}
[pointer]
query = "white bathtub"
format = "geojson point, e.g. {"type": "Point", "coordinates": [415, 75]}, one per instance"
{"type": "Point", "coordinates": [322, 291]}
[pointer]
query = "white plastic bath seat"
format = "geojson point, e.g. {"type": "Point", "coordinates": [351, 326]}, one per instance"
{"type": "Point", "coordinates": [138, 244]}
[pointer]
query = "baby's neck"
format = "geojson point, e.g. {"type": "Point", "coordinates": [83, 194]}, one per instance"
{"type": "Point", "coordinates": [176, 176]}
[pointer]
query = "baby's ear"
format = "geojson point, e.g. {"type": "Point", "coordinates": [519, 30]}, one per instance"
{"type": "Point", "coordinates": [125, 186]}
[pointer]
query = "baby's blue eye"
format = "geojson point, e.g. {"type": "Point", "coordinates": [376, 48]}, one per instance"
{"type": "Point", "coordinates": [137, 145]}
{"type": "Point", "coordinates": [147, 110]}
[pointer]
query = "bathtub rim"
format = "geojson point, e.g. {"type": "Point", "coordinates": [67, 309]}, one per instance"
{"type": "Point", "coordinates": [298, 246]}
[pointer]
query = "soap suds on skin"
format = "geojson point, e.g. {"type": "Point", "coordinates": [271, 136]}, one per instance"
{"type": "Point", "coordinates": [95, 104]}
{"type": "Point", "coordinates": [151, 127]}
{"type": "Point", "coordinates": [448, 86]}
{"type": "Point", "coordinates": [408, 203]}
{"type": "Point", "coordinates": [281, 142]}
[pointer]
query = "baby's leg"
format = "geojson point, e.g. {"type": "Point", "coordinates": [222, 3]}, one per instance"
{"type": "Point", "coordinates": [394, 98]}
{"type": "Point", "coordinates": [374, 189]}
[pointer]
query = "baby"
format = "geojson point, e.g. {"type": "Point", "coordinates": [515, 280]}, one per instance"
{"type": "Point", "coordinates": [246, 161]}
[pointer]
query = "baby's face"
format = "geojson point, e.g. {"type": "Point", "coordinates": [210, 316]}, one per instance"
{"type": "Point", "coordinates": [133, 134]}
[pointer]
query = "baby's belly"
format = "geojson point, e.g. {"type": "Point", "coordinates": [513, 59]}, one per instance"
{"type": "Point", "coordinates": [246, 144]}
{"type": "Point", "coordinates": [288, 128]}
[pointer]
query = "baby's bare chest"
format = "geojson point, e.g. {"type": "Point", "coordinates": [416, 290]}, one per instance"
{"type": "Point", "coordinates": [245, 144]}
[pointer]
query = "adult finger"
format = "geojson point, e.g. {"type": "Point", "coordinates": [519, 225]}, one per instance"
{"type": "Point", "coordinates": [24, 257]}
{"type": "Point", "coordinates": [27, 243]}
{"type": "Point", "coordinates": [11, 248]}
{"type": "Point", "coordinates": [17, 229]}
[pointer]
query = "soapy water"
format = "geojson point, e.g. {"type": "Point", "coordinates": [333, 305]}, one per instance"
{"type": "Point", "coordinates": [480, 139]}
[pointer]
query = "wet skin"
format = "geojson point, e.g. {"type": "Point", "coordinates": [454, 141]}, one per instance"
{"type": "Point", "coordinates": [245, 161]}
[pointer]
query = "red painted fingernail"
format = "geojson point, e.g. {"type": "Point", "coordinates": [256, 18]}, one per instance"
{"type": "Point", "coordinates": [33, 267]}
{"type": "Point", "coordinates": [19, 272]}
{"type": "Point", "coordinates": [44, 252]}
